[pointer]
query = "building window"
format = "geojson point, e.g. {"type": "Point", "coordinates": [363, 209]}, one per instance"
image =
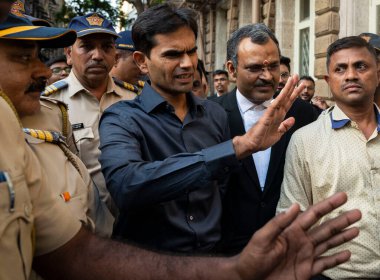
{"type": "Point", "coordinates": [304, 51]}
{"type": "Point", "coordinates": [304, 38]}
{"type": "Point", "coordinates": [374, 18]}
{"type": "Point", "coordinates": [304, 9]}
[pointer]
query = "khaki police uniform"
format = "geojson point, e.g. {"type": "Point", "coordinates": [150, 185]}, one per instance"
{"type": "Point", "coordinates": [31, 220]}
{"type": "Point", "coordinates": [84, 114]}
{"type": "Point", "coordinates": [66, 174]}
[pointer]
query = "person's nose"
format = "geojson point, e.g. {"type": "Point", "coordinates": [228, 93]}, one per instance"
{"type": "Point", "coordinates": [41, 71]}
{"type": "Point", "coordinates": [97, 54]}
{"type": "Point", "coordinates": [351, 74]}
{"type": "Point", "coordinates": [266, 74]}
{"type": "Point", "coordinates": [186, 61]}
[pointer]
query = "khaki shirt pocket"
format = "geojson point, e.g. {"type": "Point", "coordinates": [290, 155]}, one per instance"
{"type": "Point", "coordinates": [83, 133]}
{"type": "Point", "coordinates": [16, 228]}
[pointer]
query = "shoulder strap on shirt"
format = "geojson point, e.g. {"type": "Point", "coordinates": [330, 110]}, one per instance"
{"type": "Point", "coordinates": [45, 135]}
{"type": "Point", "coordinates": [126, 85]}
{"type": "Point", "coordinates": [54, 138]}
{"type": "Point", "coordinates": [50, 89]}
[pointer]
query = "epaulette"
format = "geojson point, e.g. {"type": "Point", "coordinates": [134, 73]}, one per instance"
{"type": "Point", "coordinates": [50, 89]}
{"type": "Point", "coordinates": [65, 115]}
{"type": "Point", "coordinates": [140, 84]}
{"type": "Point", "coordinates": [45, 135]}
{"type": "Point", "coordinates": [128, 86]}
{"type": "Point", "coordinates": [55, 138]}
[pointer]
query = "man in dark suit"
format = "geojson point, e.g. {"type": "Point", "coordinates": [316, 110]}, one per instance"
{"type": "Point", "coordinates": [253, 58]}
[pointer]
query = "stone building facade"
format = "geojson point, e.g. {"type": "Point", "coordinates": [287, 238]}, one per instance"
{"type": "Point", "coordinates": [44, 9]}
{"type": "Point", "coordinates": [304, 28]}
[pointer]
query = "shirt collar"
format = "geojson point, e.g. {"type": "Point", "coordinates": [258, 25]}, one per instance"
{"type": "Point", "coordinates": [150, 99]}
{"type": "Point", "coordinates": [339, 119]}
{"type": "Point", "coordinates": [245, 104]}
{"type": "Point", "coordinates": [76, 86]}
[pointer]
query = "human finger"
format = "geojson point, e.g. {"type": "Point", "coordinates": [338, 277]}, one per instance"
{"type": "Point", "coordinates": [285, 93]}
{"type": "Point", "coordinates": [308, 218]}
{"type": "Point", "coordinates": [286, 125]}
{"type": "Point", "coordinates": [271, 230]}
{"type": "Point", "coordinates": [330, 229]}
{"type": "Point", "coordinates": [337, 240]}
{"type": "Point", "coordinates": [324, 263]}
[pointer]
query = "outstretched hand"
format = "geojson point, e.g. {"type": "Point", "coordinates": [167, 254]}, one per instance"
{"type": "Point", "coordinates": [287, 247]}
{"type": "Point", "coordinates": [271, 126]}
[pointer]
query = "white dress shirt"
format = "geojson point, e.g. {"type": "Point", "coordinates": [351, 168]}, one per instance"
{"type": "Point", "coordinates": [251, 113]}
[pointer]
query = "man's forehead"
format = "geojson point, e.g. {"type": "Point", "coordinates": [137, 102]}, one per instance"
{"type": "Point", "coordinates": [246, 44]}
{"type": "Point", "coordinates": [341, 56]}
{"type": "Point", "coordinates": [180, 36]}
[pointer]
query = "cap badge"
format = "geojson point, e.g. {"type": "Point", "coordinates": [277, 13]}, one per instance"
{"type": "Point", "coordinates": [18, 8]}
{"type": "Point", "coordinates": [95, 20]}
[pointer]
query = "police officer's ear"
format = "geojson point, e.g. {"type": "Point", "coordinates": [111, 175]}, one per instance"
{"type": "Point", "coordinates": [141, 61]}
{"type": "Point", "coordinates": [231, 68]}
{"type": "Point", "coordinates": [68, 51]}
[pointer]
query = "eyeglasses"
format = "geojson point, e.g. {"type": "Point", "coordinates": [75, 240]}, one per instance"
{"type": "Point", "coordinates": [284, 75]}
{"type": "Point", "coordinates": [58, 70]}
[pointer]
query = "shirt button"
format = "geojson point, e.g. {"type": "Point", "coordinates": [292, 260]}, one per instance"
{"type": "Point", "coordinates": [263, 204]}
{"type": "Point", "coordinates": [191, 218]}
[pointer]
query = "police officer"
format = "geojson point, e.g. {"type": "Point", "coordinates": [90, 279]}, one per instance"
{"type": "Point", "coordinates": [125, 72]}
{"type": "Point", "coordinates": [27, 208]}
{"type": "Point", "coordinates": [31, 220]}
{"type": "Point", "coordinates": [46, 132]}
{"type": "Point", "coordinates": [89, 90]}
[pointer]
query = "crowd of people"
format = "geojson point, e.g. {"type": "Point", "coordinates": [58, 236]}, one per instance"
{"type": "Point", "coordinates": [117, 162]}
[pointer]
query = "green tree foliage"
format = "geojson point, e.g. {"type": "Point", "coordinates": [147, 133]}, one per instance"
{"type": "Point", "coordinates": [72, 8]}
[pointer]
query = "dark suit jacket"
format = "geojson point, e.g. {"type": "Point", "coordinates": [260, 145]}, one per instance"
{"type": "Point", "coordinates": [245, 207]}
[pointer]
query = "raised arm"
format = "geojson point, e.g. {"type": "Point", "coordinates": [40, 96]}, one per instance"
{"type": "Point", "coordinates": [271, 126]}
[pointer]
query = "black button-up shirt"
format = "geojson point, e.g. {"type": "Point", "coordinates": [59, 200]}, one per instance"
{"type": "Point", "coordinates": [165, 175]}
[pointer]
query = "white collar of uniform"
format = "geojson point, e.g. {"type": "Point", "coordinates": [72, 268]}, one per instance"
{"type": "Point", "coordinates": [76, 86]}
{"type": "Point", "coordinates": [245, 104]}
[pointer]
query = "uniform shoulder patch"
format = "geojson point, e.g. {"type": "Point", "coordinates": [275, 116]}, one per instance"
{"type": "Point", "coordinates": [44, 135]}
{"type": "Point", "coordinates": [126, 85]}
{"type": "Point", "coordinates": [45, 100]}
{"type": "Point", "coordinates": [55, 87]}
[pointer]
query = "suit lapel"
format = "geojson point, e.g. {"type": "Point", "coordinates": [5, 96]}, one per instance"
{"type": "Point", "coordinates": [237, 128]}
{"type": "Point", "coordinates": [275, 158]}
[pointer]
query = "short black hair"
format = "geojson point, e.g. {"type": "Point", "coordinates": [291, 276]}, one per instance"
{"type": "Point", "coordinates": [220, 72]}
{"type": "Point", "coordinates": [286, 61]}
{"type": "Point", "coordinates": [59, 58]}
{"type": "Point", "coordinates": [348, 43]}
{"type": "Point", "coordinates": [259, 33]}
{"type": "Point", "coordinates": [308, 78]}
{"type": "Point", "coordinates": [161, 19]}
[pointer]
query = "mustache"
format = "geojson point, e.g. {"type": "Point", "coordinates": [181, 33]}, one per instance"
{"type": "Point", "coordinates": [260, 83]}
{"type": "Point", "coordinates": [96, 63]}
{"type": "Point", "coordinates": [348, 84]}
{"type": "Point", "coordinates": [38, 85]}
